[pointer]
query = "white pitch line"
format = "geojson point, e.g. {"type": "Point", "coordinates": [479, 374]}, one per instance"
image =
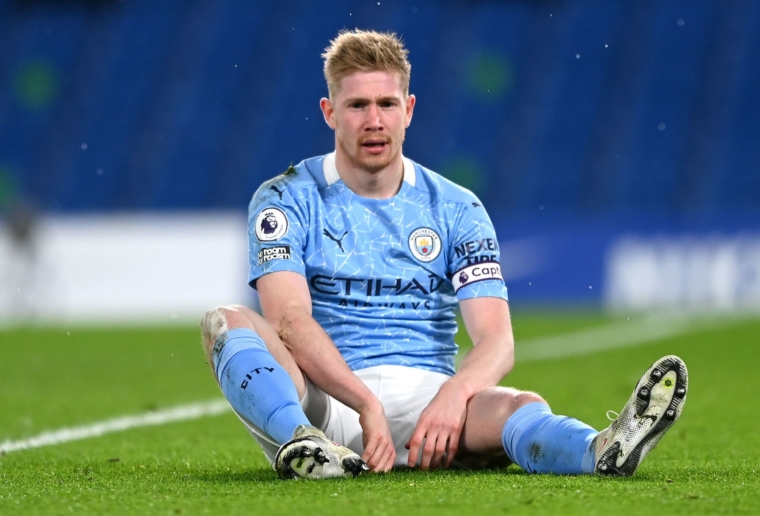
{"type": "Point", "coordinates": [119, 424]}
{"type": "Point", "coordinates": [612, 336]}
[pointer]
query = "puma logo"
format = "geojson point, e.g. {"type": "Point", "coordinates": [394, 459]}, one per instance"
{"type": "Point", "coordinates": [338, 241]}
{"type": "Point", "coordinates": [279, 192]}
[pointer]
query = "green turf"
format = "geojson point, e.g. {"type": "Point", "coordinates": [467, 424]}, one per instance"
{"type": "Point", "coordinates": [55, 378]}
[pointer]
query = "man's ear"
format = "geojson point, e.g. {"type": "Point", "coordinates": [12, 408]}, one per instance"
{"type": "Point", "coordinates": [411, 101]}
{"type": "Point", "coordinates": [327, 111]}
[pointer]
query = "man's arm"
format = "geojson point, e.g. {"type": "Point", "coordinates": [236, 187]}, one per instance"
{"type": "Point", "coordinates": [489, 326]}
{"type": "Point", "coordinates": [286, 302]}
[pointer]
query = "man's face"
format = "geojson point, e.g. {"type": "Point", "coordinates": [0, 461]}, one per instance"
{"type": "Point", "coordinates": [370, 115]}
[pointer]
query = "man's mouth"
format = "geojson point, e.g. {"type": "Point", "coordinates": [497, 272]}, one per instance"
{"type": "Point", "coordinates": [374, 146]}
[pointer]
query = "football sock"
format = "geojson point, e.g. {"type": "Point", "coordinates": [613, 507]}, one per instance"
{"type": "Point", "coordinates": [257, 387]}
{"type": "Point", "coordinates": [541, 442]}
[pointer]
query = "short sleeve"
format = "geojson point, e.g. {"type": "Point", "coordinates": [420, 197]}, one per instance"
{"type": "Point", "coordinates": [277, 226]}
{"type": "Point", "coordinates": [474, 255]}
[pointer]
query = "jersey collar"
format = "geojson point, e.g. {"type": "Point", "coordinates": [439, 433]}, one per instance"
{"type": "Point", "coordinates": [331, 172]}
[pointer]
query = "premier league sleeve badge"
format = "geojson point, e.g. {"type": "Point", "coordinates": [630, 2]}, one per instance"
{"type": "Point", "coordinates": [271, 224]}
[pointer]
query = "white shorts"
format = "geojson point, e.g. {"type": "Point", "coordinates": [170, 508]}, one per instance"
{"type": "Point", "coordinates": [403, 391]}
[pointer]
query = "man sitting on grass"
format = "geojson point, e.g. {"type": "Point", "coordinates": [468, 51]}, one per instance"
{"type": "Point", "coordinates": [360, 258]}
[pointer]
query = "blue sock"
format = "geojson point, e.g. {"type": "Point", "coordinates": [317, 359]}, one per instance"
{"type": "Point", "coordinates": [540, 442]}
{"type": "Point", "coordinates": [257, 387]}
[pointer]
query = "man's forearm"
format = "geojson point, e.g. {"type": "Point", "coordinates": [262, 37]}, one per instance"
{"type": "Point", "coordinates": [485, 365]}
{"type": "Point", "coordinates": [493, 354]}
{"type": "Point", "coordinates": [319, 359]}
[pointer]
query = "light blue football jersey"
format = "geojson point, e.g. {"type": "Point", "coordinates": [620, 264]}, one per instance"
{"type": "Point", "coordinates": [384, 275]}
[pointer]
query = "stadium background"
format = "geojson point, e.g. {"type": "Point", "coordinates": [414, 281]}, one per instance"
{"type": "Point", "coordinates": [615, 144]}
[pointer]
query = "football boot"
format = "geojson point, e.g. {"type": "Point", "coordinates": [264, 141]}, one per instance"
{"type": "Point", "coordinates": [654, 406]}
{"type": "Point", "coordinates": [310, 454]}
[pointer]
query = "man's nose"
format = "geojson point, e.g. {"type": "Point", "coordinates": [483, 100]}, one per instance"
{"type": "Point", "coordinates": [373, 117]}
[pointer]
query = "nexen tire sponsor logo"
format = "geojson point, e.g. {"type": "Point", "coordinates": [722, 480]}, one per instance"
{"type": "Point", "coordinates": [281, 252]}
{"type": "Point", "coordinates": [474, 273]}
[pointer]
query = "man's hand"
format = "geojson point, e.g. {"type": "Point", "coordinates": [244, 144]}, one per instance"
{"type": "Point", "coordinates": [440, 425]}
{"type": "Point", "coordinates": [379, 452]}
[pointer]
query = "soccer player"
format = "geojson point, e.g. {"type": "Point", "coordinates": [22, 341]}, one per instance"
{"type": "Point", "coordinates": [360, 258]}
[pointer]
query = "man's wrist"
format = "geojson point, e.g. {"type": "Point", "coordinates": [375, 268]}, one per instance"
{"type": "Point", "coordinates": [369, 403]}
{"type": "Point", "coordinates": [460, 386]}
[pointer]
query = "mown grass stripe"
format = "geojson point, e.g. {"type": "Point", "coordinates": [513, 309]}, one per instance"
{"type": "Point", "coordinates": [622, 334]}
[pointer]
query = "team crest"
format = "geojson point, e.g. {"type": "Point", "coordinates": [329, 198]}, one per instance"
{"type": "Point", "coordinates": [425, 244]}
{"type": "Point", "coordinates": [271, 224]}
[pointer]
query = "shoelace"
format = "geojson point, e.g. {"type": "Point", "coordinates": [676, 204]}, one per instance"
{"type": "Point", "coordinates": [613, 413]}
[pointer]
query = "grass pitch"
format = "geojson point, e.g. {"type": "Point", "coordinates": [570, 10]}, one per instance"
{"type": "Point", "coordinates": [55, 378]}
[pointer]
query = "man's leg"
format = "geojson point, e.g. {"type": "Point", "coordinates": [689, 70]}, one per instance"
{"type": "Point", "coordinates": [255, 371]}
{"type": "Point", "coordinates": [544, 442]}
{"type": "Point", "coordinates": [262, 382]}
{"type": "Point", "coordinates": [506, 423]}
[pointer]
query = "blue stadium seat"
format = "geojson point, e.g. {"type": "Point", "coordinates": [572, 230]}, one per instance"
{"type": "Point", "coordinates": [191, 105]}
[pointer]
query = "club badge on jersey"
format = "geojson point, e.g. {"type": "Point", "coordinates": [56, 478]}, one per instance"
{"type": "Point", "coordinates": [271, 224]}
{"type": "Point", "coordinates": [425, 244]}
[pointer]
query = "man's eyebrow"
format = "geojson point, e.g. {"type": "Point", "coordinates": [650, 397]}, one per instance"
{"type": "Point", "coordinates": [384, 98]}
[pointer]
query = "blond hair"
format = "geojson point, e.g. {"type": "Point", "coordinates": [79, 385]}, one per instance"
{"type": "Point", "coordinates": [366, 51]}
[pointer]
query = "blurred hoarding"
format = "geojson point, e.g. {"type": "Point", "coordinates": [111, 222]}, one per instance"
{"type": "Point", "coordinates": [125, 267]}
{"type": "Point", "coordinates": [173, 267]}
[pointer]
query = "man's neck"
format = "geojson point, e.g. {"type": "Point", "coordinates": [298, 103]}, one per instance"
{"type": "Point", "coordinates": [381, 184]}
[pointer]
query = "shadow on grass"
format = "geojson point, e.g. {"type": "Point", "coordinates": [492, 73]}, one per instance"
{"type": "Point", "coordinates": [672, 476]}
{"type": "Point", "coordinates": [268, 476]}
{"type": "Point", "coordinates": [257, 475]}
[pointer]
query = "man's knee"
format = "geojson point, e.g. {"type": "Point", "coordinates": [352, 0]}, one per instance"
{"type": "Point", "coordinates": [487, 413]}
{"type": "Point", "coordinates": [508, 400]}
{"type": "Point", "coordinates": [220, 319]}
{"type": "Point", "coordinates": [523, 398]}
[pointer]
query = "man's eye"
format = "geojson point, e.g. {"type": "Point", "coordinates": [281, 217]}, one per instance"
{"type": "Point", "coordinates": [358, 105]}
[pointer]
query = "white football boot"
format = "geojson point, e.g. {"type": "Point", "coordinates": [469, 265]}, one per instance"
{"type": "Point", "coordinates": [310, 454]}
{"type": "Point", "coordinates": [654, 406]}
